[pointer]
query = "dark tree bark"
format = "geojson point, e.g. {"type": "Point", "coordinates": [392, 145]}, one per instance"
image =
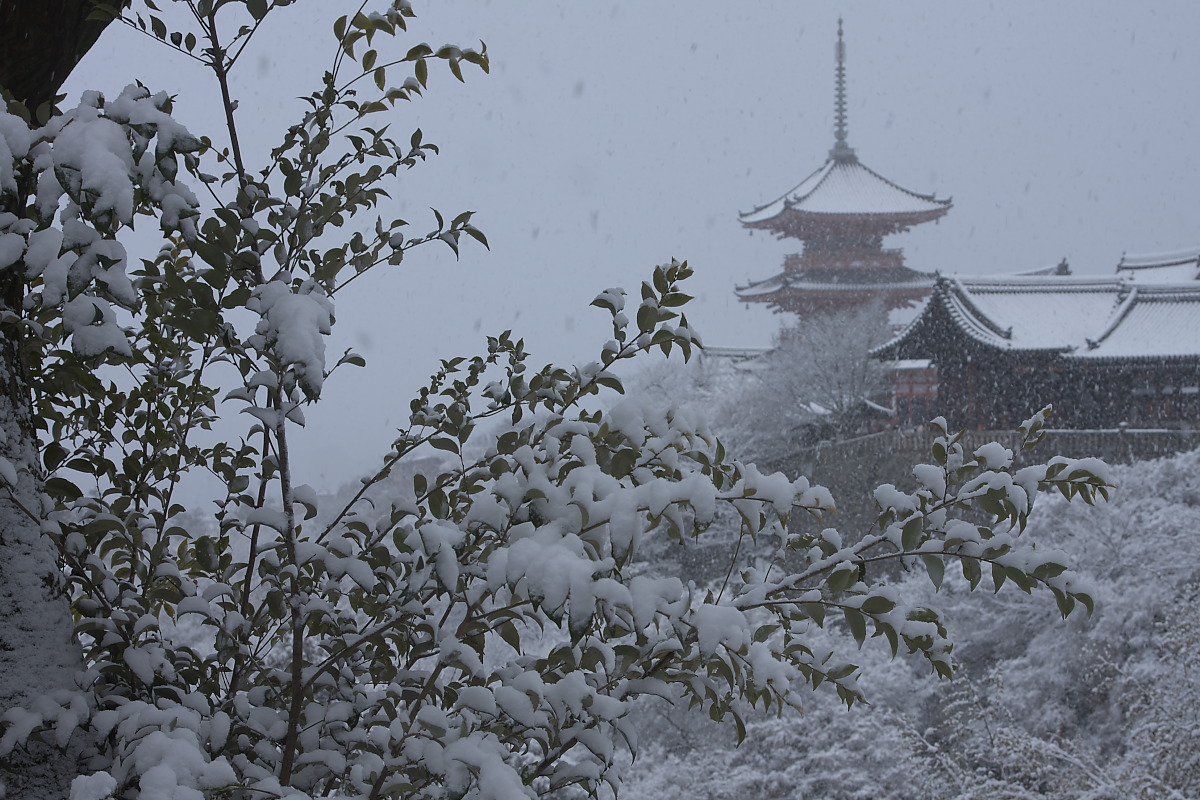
{"type": "Point", "coordinates": [41, 41]}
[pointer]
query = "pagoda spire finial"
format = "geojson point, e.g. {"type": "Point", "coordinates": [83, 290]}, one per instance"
{"type": "Point", "coordinates": [841, 150]}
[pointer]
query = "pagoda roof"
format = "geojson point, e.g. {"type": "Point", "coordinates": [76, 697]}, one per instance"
{"type": "Point", "coordinates": [858, 279]}
{"type": "Point", "coordinates": [1074, 318]}
{"type": "Point", "coordinates": [847, 187]}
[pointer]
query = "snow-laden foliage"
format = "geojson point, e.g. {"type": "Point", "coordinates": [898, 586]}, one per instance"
{"type": "Point", "coordinates": [1103, 707]}
{"type": "Point", "coordinates": [485, 633]}
{"type": "Point", "coordinates": [70, 186]}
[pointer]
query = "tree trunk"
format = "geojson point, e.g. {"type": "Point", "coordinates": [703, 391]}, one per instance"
{"type": "Point", "coordinates": [41, 41]}
{"type": "Point", "coordinates": [38, 651]}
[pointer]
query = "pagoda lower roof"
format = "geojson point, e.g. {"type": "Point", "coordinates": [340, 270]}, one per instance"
{"type": "Point", "coordinates": [845, 186]}
{"type": "Point", "coordinates": [839, 280]}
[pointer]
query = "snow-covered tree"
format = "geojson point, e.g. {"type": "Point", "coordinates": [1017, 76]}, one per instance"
{"type": "Point", "coordinates": [486, 631]}
{"type": "Point", "coordinates": [819, 381]}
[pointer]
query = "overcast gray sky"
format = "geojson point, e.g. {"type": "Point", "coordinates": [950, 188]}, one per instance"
{"type": "Point", "coordinates": [612, 136]}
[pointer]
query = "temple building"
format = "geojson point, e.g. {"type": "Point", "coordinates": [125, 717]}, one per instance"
{"type": "Point", "coordinates": [1106, 352]}
{"type": "Point", "coordinates": [841, 213]}
{"type": "Point", "coordinates": [1113, 352]}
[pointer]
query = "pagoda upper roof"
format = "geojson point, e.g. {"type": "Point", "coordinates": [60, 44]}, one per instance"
{"type": "Point", "coordinates": [847, 187]}
{"type": "Point", "coordinates": [1073, 318]}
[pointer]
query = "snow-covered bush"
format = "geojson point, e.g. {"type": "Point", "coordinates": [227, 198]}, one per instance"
{"type": "Point", "coordinates": [1101, 707]}
{"type": "Point", "coordinates": [484, 635]}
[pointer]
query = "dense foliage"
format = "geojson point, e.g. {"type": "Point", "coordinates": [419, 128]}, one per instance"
{"type": "Point", "coordinates": [1103, 707]}
{"type": "Point", "coordinates": [485, 630]}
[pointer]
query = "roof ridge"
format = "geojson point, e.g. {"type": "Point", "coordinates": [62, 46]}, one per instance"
{"type": "Point", "coordinates": [968, 304]}
{"type": "Point", "coordinates": [1168, 258]}
{"type": "Point", "coordinates": [932, 198]}
{"type": "Point", "coordinates": [828, 167]}
{"type": "Point", "coordinates": [1157, 291]}
{"type": "Point", "coordinates": [785, 195]}
{"type": "Point", "coordinates": [1039, 285]}
{"type": "Point", "coordinates": [895, 341]}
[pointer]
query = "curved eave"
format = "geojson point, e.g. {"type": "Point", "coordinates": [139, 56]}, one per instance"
{"type": "Point", "coordinates": [889, 350]}
{"type": "Point", "coordinates": [1175, 258]}
{"type": "Point", "coordinates": [847, 190]}
{"type": "Point", "coordinates": [784, 282]}
{"type": "Point", "coordinates": [954, 300]}
{"type": "Point", "coordinates": [801, 224]}
{"type": "Point", "coordinates": [981, 328]}
{"type": "Point", "coordinates": [1118, 317]}
{"type": "Point", "coordinates": [969, 318]}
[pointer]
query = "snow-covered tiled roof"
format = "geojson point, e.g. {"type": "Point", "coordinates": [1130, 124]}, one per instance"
{"type": "Point", "coordinates": [1151, 260]}
{"type": "Point", "coordinates": [1032, 314]}
{"type": "Point", "coordinates": [1079, 318]}
{"type": "Point", "coordinates": [764, 287]}
{"type": "Point", "coordinates": [846, 186]}
{"type": "Point", "coordinates": [1179, 266]}
{"type": "Point", "coordinates": [881, 281]}
{"type": "Point", "coordinates": [1156, 322]}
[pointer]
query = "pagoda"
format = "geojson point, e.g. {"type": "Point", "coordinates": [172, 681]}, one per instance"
{"type": "Point", "coordinates": [841, 213]}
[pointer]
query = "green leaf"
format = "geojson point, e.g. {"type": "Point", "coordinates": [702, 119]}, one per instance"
{"type": "Point", "coordinates": [815, 612]}
{"type": "Point", "coordinates": [877, 605]}
{"type": "Point", "coordinates": [765, 632]}
{"type": "Point", "coordinates": [53, 454]}
{"type": "Point", "coordinates": [62, 489]}
{"type": "Point", "coordinates": [936, 568]}
{"type": "Point", "coordinates": [842, 578]}
{"type": "Point", "coordinates": [623, 462]}
{"type": "Point", "coordinates": [509, 633]}
{"type": "Point", "coordinates": [1066, 603]}
{"type": "Point", "coordinates": [912, 533]}
{"type": "Point", "coordinates": [999, 576]}
{"type": "Point", "coordinates": [971, 571]}
{"type": "Point", "coordinates": [857, 624]}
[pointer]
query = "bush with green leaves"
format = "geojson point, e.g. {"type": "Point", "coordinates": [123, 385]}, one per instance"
{"type": "Point", "coordinates": [486, 631]}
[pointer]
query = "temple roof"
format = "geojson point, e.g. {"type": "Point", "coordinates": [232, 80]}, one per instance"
{"type": "Point", "coordinates": [1156, 322]}
{"type": "Point", "coordinates": [1076, 318]}
{"type": "Point", "coordinates": [1179, 266]}
{"type": "Point", "coordinates": [847, 187]}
